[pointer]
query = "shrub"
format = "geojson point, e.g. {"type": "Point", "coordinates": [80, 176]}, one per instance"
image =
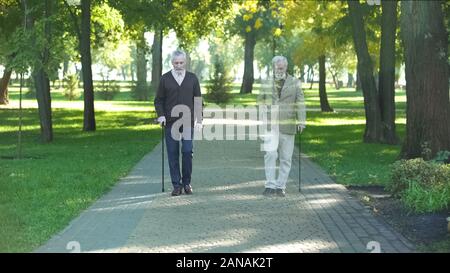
{"type": "Point", "coordinates": [219, 86]}
{"type": "Point", "coordinates": [442, 157]}
{"type": "Point", "coordinates": [420, 199]}
{"type": "Point", "coordinates": [109, 89]}
{"type": "Point", "coordinates": [422, 185]}
{"type": "Point", "coordinates": [71, 89]}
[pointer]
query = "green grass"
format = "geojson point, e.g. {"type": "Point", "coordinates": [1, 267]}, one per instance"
{"type": "Point", "coordinates": [335, 142]}
{"type": "Point", "coordinates": [39, 196]}
{"type": "Point", "coordinates": [436, 247]}
{"type": "Point", "coordinates": [346, 98]}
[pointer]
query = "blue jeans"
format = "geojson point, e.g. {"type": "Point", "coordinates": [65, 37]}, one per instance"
{"type": "Point", "coordinates": [173, 154]}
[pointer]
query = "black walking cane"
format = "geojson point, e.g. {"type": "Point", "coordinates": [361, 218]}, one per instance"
{"type": "Point", "coordinates": [299, 161]}
{"type": "Point", "coordinates": [162, 154]}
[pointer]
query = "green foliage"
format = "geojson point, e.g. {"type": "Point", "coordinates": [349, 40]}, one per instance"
{"type": "Point", "coordinates": [71, 89]}
{"type": "Point", "coordinates": [258, 18]}
{"type": "Point", "coordinates": [219, 86]}
{"type": "Point", "coordinates": [423, 199]}
{"type": "Point", "coordinates": [442, 157]}
{"type": "Point", "coordinates": [423, 186]}
{"type": "Point", "coordinates": [40, 196]}
{"type": "Point", "coordinates": [108, 89]}
{"type": "Point", "coordinates": [417, 170]}
{"type": "Point", "coordinates": [107, 25]}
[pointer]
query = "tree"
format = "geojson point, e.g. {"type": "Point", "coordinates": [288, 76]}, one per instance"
{"type": "Point", "coordinates": [83, 33]}
{"type": "Point", "coordinates": [425, 39]}
{"type": "Point", "coordinates": [255, 19]}
{"type": "Point", "coordinates": [387, 71]}
{"type": "Point", "coordinates": [4, 86]}
{"type": "Point", "coordinates": [157, 58]}
{"type": "Point", "coordinates": [141, 91]}
{"type": "Point", "coordinates": [41, 78]}
{"type": "Point", "coordinates": [10, 20]}
{"type": "Point", "coordinates": [373, 132]}
{"type": "Point", "coordinates": [219, 85]}
{"type": "Point", "coordinates": [312, 20]}
{"type": "Point", "coordinates": [324, 104]}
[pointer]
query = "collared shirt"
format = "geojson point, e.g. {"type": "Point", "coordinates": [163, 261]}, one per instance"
{"type": "Point", "coordinates": [279, 86]}
{"type": "Point", "coordinates": [179, 75]}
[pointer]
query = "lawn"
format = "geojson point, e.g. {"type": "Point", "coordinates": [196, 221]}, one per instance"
{"type": "Point", "coordinates": [335, 142]}
{"type": "Point", "coordinates": [40, 194]}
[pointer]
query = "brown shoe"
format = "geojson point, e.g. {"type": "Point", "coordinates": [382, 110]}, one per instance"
{"type": "Point", "coordinates": [188, 189]}
{"type": "Point", "coordinates": [176, 191]}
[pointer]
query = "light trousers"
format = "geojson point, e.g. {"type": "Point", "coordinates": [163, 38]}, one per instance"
{"type": "Point", "coordinates": [282, 146]}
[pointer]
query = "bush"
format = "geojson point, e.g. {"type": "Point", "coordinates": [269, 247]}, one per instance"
{"type": "Point", "coordinates": [109, 89]}
{"type": "Point", "coordinates": [420, 199]}
{"type": "Point", "coordinates": [71, 89]}
{"type": "Point", "coordinates": [219, 86]}
{"type": "Point", "coordinates": [442, 157]}
{"type": "Point", "coordinates": [422, 185]}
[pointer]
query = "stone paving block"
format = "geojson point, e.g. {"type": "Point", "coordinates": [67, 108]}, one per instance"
{"type": "Point", "coordinates": [227, 212]}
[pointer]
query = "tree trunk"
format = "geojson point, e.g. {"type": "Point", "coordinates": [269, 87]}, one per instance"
{"type": "Point", "coordinates": [4, 98]}
{"type": "Point", "coordinates": [387, 71]}
{"type": "Point", "coordinates": [42, 84]}
{"type": "Point", "coordinates": [350, 80]}
{"type": "Point", "coordinates": [141, 62]}
{"type": "Point", "coordinates": [373, 130]}
{"type": "Point", "coordinates": [86, 66]}
{"type": "Point", "coordinates": [302, 73]}
{"type": "Point", "coordinates": [311, 76]}
{"type": "Point", "coordinates": [65, 68]}
{"type": "Point", "coordinates": [324, 104]}
{"type": "Point", "coordinates": [358, 82]}
{"type": "Point", "coordinates": [141, 68]}
{"type": "Point", "coordinates": [247, 80]}
{"type": "Point", "coordinates": [188, 61]}
{"type": "Point", "coordinates": [157, 59]}
{"type": "Point", "coordinates": [427, 78]}
{"type": "Point", "coordinates": [132, 66]}
{"type": "Point", "coordinates": [335, 80]}
{"type": "Point", "coordinates": [123, 70]}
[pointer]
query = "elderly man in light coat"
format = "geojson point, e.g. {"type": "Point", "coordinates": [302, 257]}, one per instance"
{"type": "Point", "coordinates": [283, 94]}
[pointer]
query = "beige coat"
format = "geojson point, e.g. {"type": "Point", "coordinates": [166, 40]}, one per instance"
{"type": "Point", "coordinates": [291, 103]}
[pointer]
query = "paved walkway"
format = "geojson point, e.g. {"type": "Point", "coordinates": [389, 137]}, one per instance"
{"type": "Point", "coordinates": [227, 212]}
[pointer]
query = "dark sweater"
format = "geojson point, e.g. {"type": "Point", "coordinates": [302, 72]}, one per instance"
{"type": "Point", "coordinates": [170, 94]}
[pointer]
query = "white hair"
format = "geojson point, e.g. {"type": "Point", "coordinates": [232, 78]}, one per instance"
{"type": "Point", "coordinates": [178, 53]}
{"type": "Point", "coordinates": [279, 59]}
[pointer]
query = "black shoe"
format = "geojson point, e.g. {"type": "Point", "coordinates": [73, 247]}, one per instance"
{"type": "Point", "coordinates": [268, 191]}
{"type": "Point", "coordinates": [176, 191]}
{"type": "Point", "coordinates": [280, 193]}
{"type": "Point", "coordinates": [187, 189]}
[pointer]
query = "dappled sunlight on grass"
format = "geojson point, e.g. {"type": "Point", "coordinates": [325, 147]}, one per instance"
{"type": "Point", "coordinates": [67, 175]}
{"type": "Point", "coordinates": [335, 142]}
{"type": "Point", "coordinates": [113, 106]}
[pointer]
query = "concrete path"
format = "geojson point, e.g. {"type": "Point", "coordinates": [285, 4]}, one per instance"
{"type": "Point", "coordinates": [227, 212]}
